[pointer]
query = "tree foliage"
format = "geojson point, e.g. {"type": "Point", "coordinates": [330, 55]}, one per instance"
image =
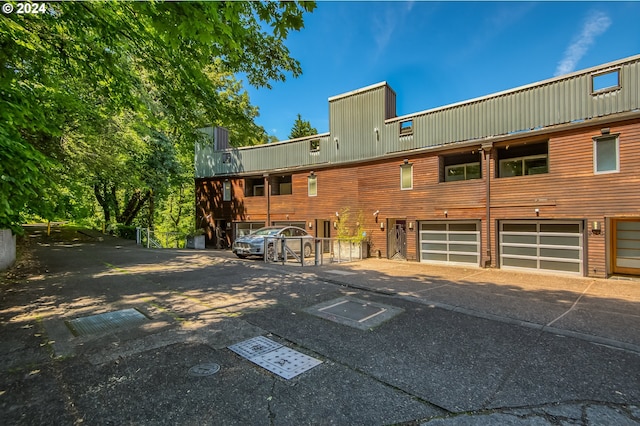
{"type": "Point", "coordinates": [302, 128]}
{"type": "Point", "coordinates": [103, 98]}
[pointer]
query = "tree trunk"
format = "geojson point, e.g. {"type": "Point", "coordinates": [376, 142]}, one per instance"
{"type": "Point", "coordinates": [102, 200]}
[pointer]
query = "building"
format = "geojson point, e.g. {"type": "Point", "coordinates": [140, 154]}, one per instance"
{"type": "Point", "coordinates": [541, 177]}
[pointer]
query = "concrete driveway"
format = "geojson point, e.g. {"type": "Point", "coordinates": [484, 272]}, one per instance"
{"type": "Point", "coordinates": [454, 346]}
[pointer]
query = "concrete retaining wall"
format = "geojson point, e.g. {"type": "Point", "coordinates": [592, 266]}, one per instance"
{"type": "Point", "coordinates": [7, 248]}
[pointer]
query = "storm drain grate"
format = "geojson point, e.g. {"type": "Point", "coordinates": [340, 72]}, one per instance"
{"type": "Point", "coordinates": [354, 312]}
{"type": "Point", "coordinates": [272, 356]}
{"type": "Point", "coordinates": [104, 322]}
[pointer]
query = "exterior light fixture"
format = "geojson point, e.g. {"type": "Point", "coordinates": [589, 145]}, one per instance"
{"type": "Point", "coordinates": [596, 228]}
{"type": "Point", "coordinates": [537, 211]}
{"type": "Point", "coordinates": [310, 225]}
{"type": "Point", "coordinates": [381, 225]}
{"type": "Point", "coordinates": [335, 225]}
{"type": "Point", "coordinates": [411, 226]}
{"type": "Point", "coordinates": [446, 213]}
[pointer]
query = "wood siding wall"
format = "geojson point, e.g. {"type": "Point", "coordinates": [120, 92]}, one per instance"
{"type": "Point", "coordinates": [570, 190]}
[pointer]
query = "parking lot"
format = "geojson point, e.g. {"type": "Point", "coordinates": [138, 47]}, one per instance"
{"type": "Point", "coordinates": [373, 342]}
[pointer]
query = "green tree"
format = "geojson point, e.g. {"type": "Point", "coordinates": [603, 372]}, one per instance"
{"type": "Point", "coordinates": [115, 83]}
{"type": "Point", "coordinates": [302, 128]}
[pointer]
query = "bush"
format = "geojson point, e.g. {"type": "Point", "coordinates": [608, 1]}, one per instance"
{"type": "Point", "coordinates": [126, 232]}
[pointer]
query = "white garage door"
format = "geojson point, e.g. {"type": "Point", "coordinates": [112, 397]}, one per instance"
{"type": "Point", "coordinates": [450, 242]}
{"type": "Point", "coordinates": [544, 245]}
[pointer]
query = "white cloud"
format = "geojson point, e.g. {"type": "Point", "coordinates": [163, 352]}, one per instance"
{"type": "Point", "coordinates": [596, 24]}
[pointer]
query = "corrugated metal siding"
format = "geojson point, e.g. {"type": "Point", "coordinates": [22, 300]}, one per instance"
{"type": "Point", "coordinates": [354, 116]}
{"type": "Point", "coordinates": [352, 121]}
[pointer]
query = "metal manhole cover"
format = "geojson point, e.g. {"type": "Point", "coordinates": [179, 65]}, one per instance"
{"type": "Point", "coordinates": [272, 356]}
{"type": "Point", "coordinates": [204, 370]}
{"type": "Point", "coordinates": [105, 322]}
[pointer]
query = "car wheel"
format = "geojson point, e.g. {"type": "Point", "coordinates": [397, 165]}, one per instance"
{"type": "Point", "coordinates": [271, 253]}
{"type": "Point", "coordinates": [241, 256]}
{"type": "Point", "coordinates": [307, 250]}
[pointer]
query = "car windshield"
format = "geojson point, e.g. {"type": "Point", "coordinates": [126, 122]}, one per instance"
{"type": "Point", "coordinates": [267, 231]}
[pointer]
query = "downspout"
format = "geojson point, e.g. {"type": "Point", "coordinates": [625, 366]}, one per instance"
{"type": "Point", "coordinates": [267, 188]}
{"type": "Point", "coordinates": [487, 147]}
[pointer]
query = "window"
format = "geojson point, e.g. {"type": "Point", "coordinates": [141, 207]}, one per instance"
{"type": "Point", "coordinates": [606, 154]}
{"type": "Point", "coordinates": [406, 128]}
{"type": "Point", "coordinates": [314, 146]}
{"type": "Point", "coordinates": [312, 185]}
{"type": "Point", "coordinates": [463, 166]}
{"type": "Point", "coordinates": [406, 176]}
{"type": "Point", "coordinates": [226, 157]}
{"type": "Point", "coordinates": [523, 160]}
{"type": "Point", "coordinates": [226, 191]}
{"type": "Point", "coordinates": [281, 185]}
{"type": "Point", "coordinates": [605, 81]}
{"type": "Point", "coordinates": [254, 187]}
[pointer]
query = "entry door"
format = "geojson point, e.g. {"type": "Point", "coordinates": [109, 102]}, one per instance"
{"type": "Point", "coordinates": [397, 240]}
{"type": "Point", "coordinates": [626, 246]}
{"type": "Point", "coordinates": [323, 230]}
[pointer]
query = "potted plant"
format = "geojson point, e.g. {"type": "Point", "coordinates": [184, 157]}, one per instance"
{"type": "Point", "coordinates": [352, 240]}
{"type": "Point", "coordinates": [195, 239]}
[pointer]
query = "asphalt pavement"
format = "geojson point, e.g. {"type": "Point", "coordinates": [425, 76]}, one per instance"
{"type": "Point", "coordinates": [453, 345]}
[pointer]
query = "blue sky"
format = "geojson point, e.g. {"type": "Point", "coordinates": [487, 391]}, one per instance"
{"type": "Point", "coordinates": [437, 53]}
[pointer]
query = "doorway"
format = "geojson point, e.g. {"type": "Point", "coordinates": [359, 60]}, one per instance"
{"type": "Point", "coordinates": [397, 239]}
{"type": "Point", "coordinates": [323, 230]}
{"type": "Point", "coordinates": [625, 246]}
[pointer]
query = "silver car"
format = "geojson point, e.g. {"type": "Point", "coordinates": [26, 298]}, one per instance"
{"type": "Point", "coordinates": [253, 243]}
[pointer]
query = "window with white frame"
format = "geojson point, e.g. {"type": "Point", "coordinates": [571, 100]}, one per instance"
{"type": "Point", "coordinates": [606, 154]}
{"type": "Point", "coordinates": [406, 176]}
{"type": "Point", "coordinates": [226, 191]}
{"type": "Point", "coordinates": [312, 185]}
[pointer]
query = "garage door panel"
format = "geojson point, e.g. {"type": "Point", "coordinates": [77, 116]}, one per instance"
{"type": "Point", "coordinates": [520, 251]}
{"type": "Point", "coordinates": [560, 240]}
{"type": "Point", "coordinates": [520, 239]}
{"type": "Point", "coordinates": [560, 253]}
{"type": "Point", "coordinates": [434, 247]}
{"type": "Point", "coordinates": [520, 263]}
{"type": "Point", "coordinates": [450, 242]}
{"type": "Point", "coordinates": [463, 258]}
{"type": "Point", "coordinates": [559, 266]}
{"type": "Point", "coordinates": [542, 245]}
{"type": "Point", "coordinates": [437, 257]}
{"type": "Point", "coordinates": [463, 237]}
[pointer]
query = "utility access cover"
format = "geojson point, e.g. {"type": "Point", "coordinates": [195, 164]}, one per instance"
{"type": "Point", "coordinates": [354, 312]}
{"type": "Point", "coordinates": [283, 361]}
{"type": "Point", "coordinates": [104, 322]}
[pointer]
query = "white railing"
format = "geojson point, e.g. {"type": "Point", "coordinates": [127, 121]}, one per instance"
{"type": "Point", "coordinates": [151, 239]}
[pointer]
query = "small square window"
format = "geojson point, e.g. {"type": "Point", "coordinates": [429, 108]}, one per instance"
{"type": "Point", "coordinates": [606, 154]}
{"type": "Point", "coordinates": [314, 146]}
{"type": "Point", "coordinates": [605, 81]}
{"type": "Point", "coordinates": [226, 157]}
{"type": "Point", "coordinates": [406, 176]}
{"type": "Point", "coordinates": [406, 128]}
